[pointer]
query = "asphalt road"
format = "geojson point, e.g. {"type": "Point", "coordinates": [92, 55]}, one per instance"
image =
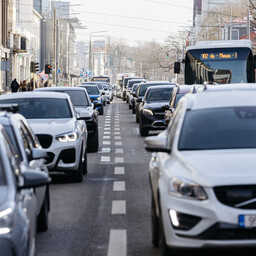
{"type": "Point", "coordinates": [109, 212]}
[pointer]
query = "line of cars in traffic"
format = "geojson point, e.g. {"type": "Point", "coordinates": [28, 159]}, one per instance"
{"type": "Point", "coordinates": [201, 172]}
{"type": "Point", "coordinates": [48, 130]}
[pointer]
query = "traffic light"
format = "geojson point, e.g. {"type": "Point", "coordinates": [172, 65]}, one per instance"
{"type": "Point", "coordinates": [36, 67]}
{"type": "Point", "coordinates": [48, 69]}
{"type": "Point", "coordinates": [32, 65]}
{"type": "Point", "coordinates": [177, 67]}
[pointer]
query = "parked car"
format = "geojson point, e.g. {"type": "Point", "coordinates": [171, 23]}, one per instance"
{"type": "Point", "coordinates": [83, 107]}
{"type": "Point", "coordinates": [151, 112]}
{"type": "Point", "coordinates": [141, 92]}
{"type": "Point", "coordinates": [95, 96]}
{"type": "Point", "coordinates": [178, 92]}
{"type": "Point", "coordinates": [100, 86]}
{"type": "Point", "coordinates": [53, 119]}
{"type": "Point", "coordinates": [202, 173]}
{"type": "Point", "coordinates": [18, 202]}
{"type": "Point", "coordinates": [30, 154]}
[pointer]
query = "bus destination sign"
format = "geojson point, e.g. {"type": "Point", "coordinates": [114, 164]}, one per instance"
{"type": "Point", "coordinates": [219, 56]}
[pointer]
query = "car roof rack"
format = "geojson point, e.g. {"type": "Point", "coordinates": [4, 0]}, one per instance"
{"type": "Point", "coordinates": [14, 108]}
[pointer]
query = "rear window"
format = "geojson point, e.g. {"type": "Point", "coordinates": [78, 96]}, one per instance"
{"type": "Point", "coordinates": [162, 94]}
{"type": "Point", "coordinates": [42, 108]}
{"type": "Point", "coordinates": [221, 128]}
{"type": "Point", "coordinates": [78, 98]}
{"type": "Point", "coordinates": [92, 90]}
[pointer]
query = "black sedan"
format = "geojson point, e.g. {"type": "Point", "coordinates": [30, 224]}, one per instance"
{"type": "Point", "coordinates": [151, 113]}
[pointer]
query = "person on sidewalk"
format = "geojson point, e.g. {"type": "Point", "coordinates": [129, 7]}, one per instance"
{"type": "Point", "coordinates": [14, 85]}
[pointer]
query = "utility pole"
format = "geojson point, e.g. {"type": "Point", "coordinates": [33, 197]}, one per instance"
{"type": "Point", "coordinates": [54, 64]}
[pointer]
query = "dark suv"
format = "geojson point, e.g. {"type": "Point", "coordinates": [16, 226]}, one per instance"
{"type": "Point", "coordinates": [30, 154]}
{"type": "Point", "coordinates": [82, 103]}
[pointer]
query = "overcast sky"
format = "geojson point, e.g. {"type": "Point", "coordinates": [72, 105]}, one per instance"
{"type": "Point", "coordinates": [132, 20]}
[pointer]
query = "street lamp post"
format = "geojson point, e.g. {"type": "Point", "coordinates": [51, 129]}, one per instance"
{"type": "Point", "coordinates": [90, 48]}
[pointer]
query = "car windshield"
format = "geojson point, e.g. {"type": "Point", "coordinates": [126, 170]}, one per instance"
{"type": "Point", "coordinates": [133, 81]}
{"type": "Point", "coordinates": [178, 97]}
{"type": "Point", "coordinates": [134, 87]}
{"type": "Point", "coordinates": [78, 98]}
{"type": "Point", "coordinates": [42, 108]}
{"type": "Point", "coordinates": [219, 128]}
{"type": "Point", "coordinates": [160, 94]}
{"type": "Point", "coordinates": [92, 90]}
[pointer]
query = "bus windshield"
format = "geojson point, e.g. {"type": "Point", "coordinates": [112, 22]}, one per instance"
{"type": "Point", "coordinates": [220, 65]}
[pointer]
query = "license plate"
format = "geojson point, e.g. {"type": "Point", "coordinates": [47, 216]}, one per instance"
{"type": "Point", "coordinates": [247, 221]}
{"type": "Point", "coordinates": [163, 121]}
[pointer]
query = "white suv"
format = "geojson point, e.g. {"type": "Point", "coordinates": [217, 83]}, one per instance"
{"type": "Point", "coordinates": [202, 173]}
{"type": "Point", "coordinates": [53, 119]}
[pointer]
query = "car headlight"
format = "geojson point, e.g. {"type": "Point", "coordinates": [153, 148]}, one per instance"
{"type": "Point", "coordinates": [147, 112]}
{"type": "Point", "coordinates": [6, 221]}
{"type": "Point", "coordinates": [185, 188]}
{"type": "Point", "coordinates": [67, 137]}
{"type": "Point", "coordinates": [99, 98]}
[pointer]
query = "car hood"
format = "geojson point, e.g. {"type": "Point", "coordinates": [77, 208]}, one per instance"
{"type": "Point", "coordinates": [220, 167]}
{"type": "Point", "coordinates": [94, 96]}
{"type": "Point", "coordinates": [155, 105]}
{"type": "Point", "coordinates": [52, 126]}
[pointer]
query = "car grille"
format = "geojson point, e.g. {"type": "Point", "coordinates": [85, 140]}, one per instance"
{"type": "Point", "coordinates": [45, 140]}
{"type": "Point", "coordinates": [159, 115]}
{"type": "Point", "coordinates": [240, 196]}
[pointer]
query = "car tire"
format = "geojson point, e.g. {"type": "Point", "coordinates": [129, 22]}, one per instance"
{"type": "Point", "coordinates": [154, 224]}
{"type": "Point", "coordinates": [143, 131]}
{"type": "Point", "coordinates": [133, 110]}
{"type": "Point", "coordinates": [101, 111]}
{"type": "Point", "coordinates": [130, 106]}
{"type": "Point", "coordinates": [78, 175]}
{"type": "Point", "coordinates": [43, 216]}
{"type": "Point", "coordinates": [95, 143]}
{"type": "Point", "coordinates": [108, 102]}
{"type": "Point", "coordinates": [137, 118]}
{"type": "Point", "coordinates": [85, 168]}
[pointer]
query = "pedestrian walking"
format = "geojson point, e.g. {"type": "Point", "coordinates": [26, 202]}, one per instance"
{"type": "Point", "coordinates": [30, 86]}
{"type": "Point", "coordinates": [24, 86]}
{"type": "Point", "coordinates": [14, 85]}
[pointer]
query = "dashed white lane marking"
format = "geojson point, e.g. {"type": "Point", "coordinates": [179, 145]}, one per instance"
{"type": "Point", "coordinates": [117, 133]}
{"type": "Point", "coordinates": [117, 245]}
{"type": "Point", "coordinates": [119, 159]}
{"type": "Point", "coordinates": [106, 137]}
{"type": "Point", "coordinates": [107, 133]}
{"type": "Point", "coordinates": [107, 122]}
{"type": "Point", "coordinates": [105, 159]}
{"type": "Point", "coordinates": [106, 142]}
{"type": "Point", "coordinates": [118, 207]}
{"type": "Point", "coordinates": [118, 143]}
{"type": "Point", "coordinates": [107, 125]}
{"type": "Point", "coordinates": [119, 186]}
{"type": "Point", "coordinates": [117, 137]}
{"type": "Point", "coordinates": [119, 151]}
{"type": "Point", "coordinates": [119, 171]}
{"type": "Point", "coordinates": [117, 129]}
{"type": "Point", "coordinates": [107, 129]}
{"type": "Point", "coordinates": [106, 150]}
{"type": "Point", "coordinates": [117, 125]}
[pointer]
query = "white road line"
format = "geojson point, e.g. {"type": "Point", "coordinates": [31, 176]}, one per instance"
{"type": "Point", "coordinates": [105, 159]}
{"type": "Point", "coordinates": [119, 171]}
{"type": "Point", "coordinates": [119, 159]}
{"type": "Point", "coordinates": [107, 125]}
{"type": "Point", "coordinates": [117, 125]}
{"type": "Point", "coordinates": [118, 143]}
{"type": "Point", "coordinates": [106, 142]}
{"type": "Point", "coordinates": [105, 150]}
{"type": "Point", "coordinates": [117, 133]}
{"type": "Point", "coordinates": [117, 137]}
{"type": "Point", "coordinates": [107, 129]}
{"type": "Point", "coordinates": [119, 186]}
{"type": "Point", "coordinates": [118, 207]}
{"type": "Point", "coordinates": [117, 129]}
{"type": "Point", "coordinates": [106, 137]}
{"type": "Point", "coordinates": [117, 245]}
{"type": "Point", "coordinates": [107, 133]}
{"type": "Point", "coordinates": [107, 122]}
{"type": "Point", "coordinates": [119, 151]}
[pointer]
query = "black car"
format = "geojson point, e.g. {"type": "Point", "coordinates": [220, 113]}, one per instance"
{"type": "Point", "coordinates": [130, 83]}
{"type": "Point", "coordinates": [141, 92]}
{"type": "Point", "coordinates": [82, 103]}
{"type": "Point", "coordinates": [177, 93]}
{"type": "Point", "coordinates": [151, 113]}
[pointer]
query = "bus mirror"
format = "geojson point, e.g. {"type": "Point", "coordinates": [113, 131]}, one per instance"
{"type": "Point", "coordinates": [177, 67]}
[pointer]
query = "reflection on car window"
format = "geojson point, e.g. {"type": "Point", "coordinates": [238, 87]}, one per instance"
{"type": "Point", "coordinates": [222, 128]}
{"type": "Point", "coordinates": [159, 94]}
{"type": "Point", "coordinates": [92, 90]}
{"type": "Point", "coordinates": [42, 108]}
{"type": "Point", "coordinates": [78, 98]}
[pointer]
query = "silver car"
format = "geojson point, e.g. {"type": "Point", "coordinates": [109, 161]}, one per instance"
{"type": "Point", "coordinates": [18, 203]}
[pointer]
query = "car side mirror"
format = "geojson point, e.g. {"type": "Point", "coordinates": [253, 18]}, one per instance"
{"type": "Point", "coordinates": [139, 100]}
{"type": "Point", "coordinates": [83, 115]}
{"type": "Point", "coordinates": [134, 94]}
{"type": "Point", "coordinates": [38, 153]}
{"type": "Point", "coordinates": [166, 107]}
{"type": "Point", "coordinates": [156, 144]}
{"type": "Point", "coordinates": [103, 93]}
{"type": "Point", "coordinates": [33, 179]}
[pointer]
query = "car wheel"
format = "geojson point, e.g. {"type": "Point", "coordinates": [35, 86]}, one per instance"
{"type": "Point", "coordinates": [154, 224]}
{"type": "Point", "coordinates": [133, 110]}
{"type": "Point", "coordinates": [137, 117]}
{"type": "Point", "coordinates": [85, 169]}
{"type": "Point", "coordinates": [130, 106]}
{"type": "Point", "coordinates": [43, 216]}
{"type": "Point", "coordinates": [101, 111]}
{"type": "Point", "coordinates": [143, 130]}
{"type": "Point", "coordinates": [78, 175]}
{"type": "Point", "coordinates": [95, 143]}
{"type": "Point", "coordinates": [108, 102]}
